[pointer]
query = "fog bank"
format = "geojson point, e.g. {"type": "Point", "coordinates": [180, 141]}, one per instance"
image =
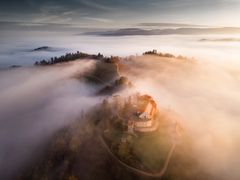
{"type": "Point", "coordinates": [206, 96]}
{"type": "Point", "coordinates": [35, 103]}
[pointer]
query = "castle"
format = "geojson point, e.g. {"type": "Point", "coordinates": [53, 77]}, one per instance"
{"type": "Point", "coordinates": [144, 113]}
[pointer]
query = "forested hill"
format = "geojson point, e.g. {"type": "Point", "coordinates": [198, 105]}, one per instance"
{"type": "Point", "coordinates": [75, 56]}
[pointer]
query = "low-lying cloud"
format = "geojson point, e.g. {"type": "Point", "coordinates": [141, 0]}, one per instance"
{"type": "Point", "coordinates": [206, 96]}
{"type": "Point", "coordinates": [35, 103]}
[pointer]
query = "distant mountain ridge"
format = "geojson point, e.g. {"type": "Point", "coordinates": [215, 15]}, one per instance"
{"type": "Point", "coordinates": [168, 31]}
{"type": "Point", "coordinates": [43, 48]}
{"type": "Point", "coordinates": [170, 25]}
{"type": "Point", "coordinates": [222, 40]}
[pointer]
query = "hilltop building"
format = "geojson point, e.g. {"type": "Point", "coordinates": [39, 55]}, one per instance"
{"type": "Point", "coordinates": [143, 116]}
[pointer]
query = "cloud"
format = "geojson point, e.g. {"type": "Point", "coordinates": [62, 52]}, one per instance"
{"type": "Point", "coordinates": [206, 97]}
{"type": "Point", "coordinates": [126, 11]}
{"type": "Point", "coordinates": [95, 5]}
{"type": "Point", "coordinates": [35, 103]}
{"type": "Point", "coordinates": [52, 18]}
{"type": "Point", "coordinates": [102, 20]}
{"type": "Point", "coordinates": [51, 12]}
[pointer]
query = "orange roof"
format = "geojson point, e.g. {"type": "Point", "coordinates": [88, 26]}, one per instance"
{"type": "Point", "coordinates": [145, 104]}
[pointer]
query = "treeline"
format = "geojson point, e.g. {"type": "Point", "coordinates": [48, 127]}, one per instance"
{"type": "Point", "coordinates": [69, 57]}
{"type": "Point", "coordinates": [74, 56]}
{"type": "Point", "coordinates": [112, 59]}
{"type": "Point", "coordinates": [168, 55]}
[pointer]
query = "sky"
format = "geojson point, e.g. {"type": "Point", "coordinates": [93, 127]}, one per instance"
{"type": "Point", "coordinates": [119, 12]}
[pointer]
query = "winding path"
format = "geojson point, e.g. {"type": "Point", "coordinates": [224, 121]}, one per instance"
{"type": "Point", "coordinates": [159, 174]}
{"type": "Point", "coordinates": [175, 141]}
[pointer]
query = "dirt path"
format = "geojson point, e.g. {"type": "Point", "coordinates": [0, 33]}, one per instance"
{"type": "Point", "coordinates": [159, 174]}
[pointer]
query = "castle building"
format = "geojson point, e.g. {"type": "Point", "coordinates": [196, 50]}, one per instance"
{"type": "Point", "coordinates": [143, 118]}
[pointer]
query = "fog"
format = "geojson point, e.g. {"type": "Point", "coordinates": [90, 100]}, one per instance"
{"type": "Point", "coordinates": [206, 97]}
{"type": "Point", "coordinates": [16, 46]}
{"type": "Point", "coordinates": [35, 103]}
